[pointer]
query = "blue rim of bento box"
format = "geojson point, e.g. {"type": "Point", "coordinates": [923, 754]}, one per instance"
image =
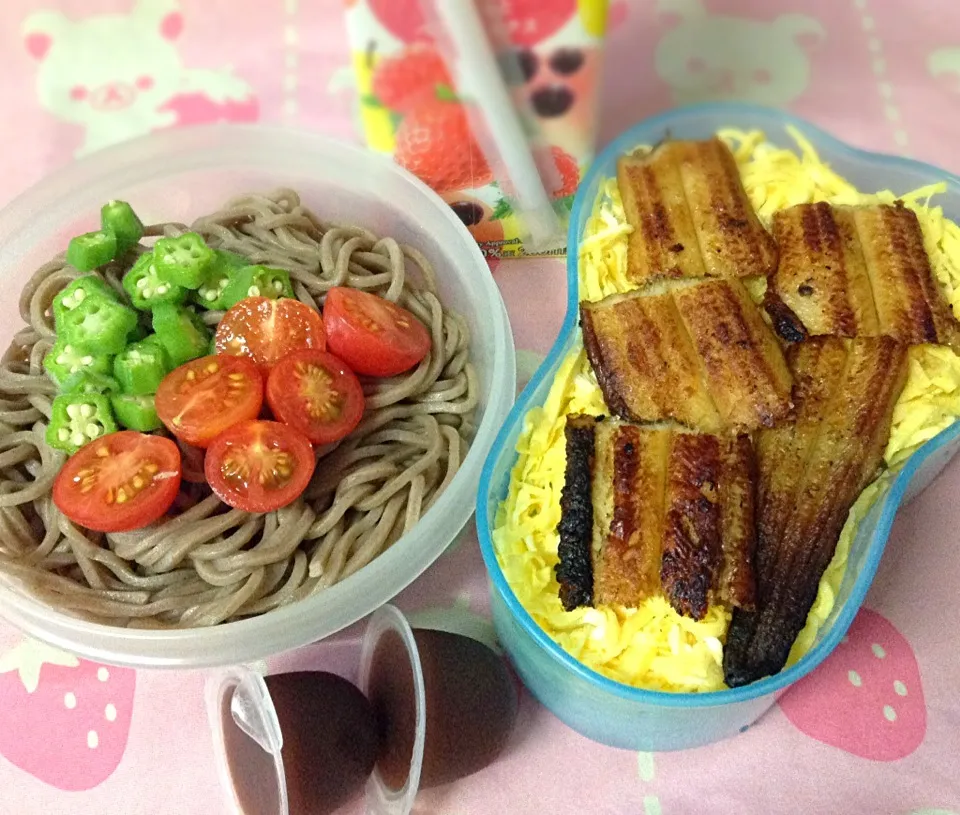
{"type": "Point", "coordinates": [647, 131]}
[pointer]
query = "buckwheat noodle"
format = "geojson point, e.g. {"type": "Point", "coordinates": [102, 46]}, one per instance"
{"type": "Point", "coordinates": [207, 563]}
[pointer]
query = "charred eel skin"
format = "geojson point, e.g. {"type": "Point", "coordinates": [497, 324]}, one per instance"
{"type": "Point", "coordinates": [811, 472]}
{"type": "Point", "coordinates": [575, 570]}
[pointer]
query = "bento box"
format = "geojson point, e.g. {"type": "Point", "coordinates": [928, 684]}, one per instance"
{"type": "Point", "coordinates": [626, 716]}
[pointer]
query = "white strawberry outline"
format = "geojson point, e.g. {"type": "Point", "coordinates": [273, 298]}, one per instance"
{"type": "Point", "coordinates": [29, 656]}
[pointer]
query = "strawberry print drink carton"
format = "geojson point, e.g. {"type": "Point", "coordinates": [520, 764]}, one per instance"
{"type": "Point", "coordinates": [409, 107]}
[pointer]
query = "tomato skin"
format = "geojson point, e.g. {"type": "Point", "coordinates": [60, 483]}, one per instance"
{"type": "Point", "coordinates": [88, 485]}
{"type": "Point", "coordinates": [205, 396]}
{"type": "Point", "coordinates": [372, 335]}
{"type": "Point", "coordinates": [259, 466]}
{"type": "Point", "coordinates": [266, 330]}
{"type": "Point", "coordinates": [191, 463]}
{"type": "Point", "coordinates": [316, 393]}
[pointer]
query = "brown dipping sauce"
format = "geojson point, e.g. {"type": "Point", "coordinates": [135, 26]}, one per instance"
{"type": "Point", "coordinates": [252, 769]}
{"type": "Point", "coordinates": [394, 708]}
{"type": "Point", "coordinates": [471, 706]}
{"type": "Point", "coordinates": [329, 745]}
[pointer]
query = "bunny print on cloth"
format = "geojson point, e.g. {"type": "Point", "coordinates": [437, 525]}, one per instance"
{"type": "Point", "coordinates": [708, 56]}
{"type": "Point", "coordinates": [120, 75]}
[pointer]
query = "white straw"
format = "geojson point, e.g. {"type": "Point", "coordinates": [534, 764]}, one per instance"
{"type": "Point", "coordinates": [477, 70]}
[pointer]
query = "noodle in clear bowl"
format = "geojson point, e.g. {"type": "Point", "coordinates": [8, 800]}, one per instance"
{"type": "Point", "coordinates": [177, 178]}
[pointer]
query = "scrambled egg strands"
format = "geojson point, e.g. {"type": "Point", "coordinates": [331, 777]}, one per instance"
{"type": "Point", "coordinates": [653, 646]}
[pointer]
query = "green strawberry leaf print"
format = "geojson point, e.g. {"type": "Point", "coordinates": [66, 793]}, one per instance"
{"type": "Point", "coordinates": [501, 210]}
{"type": "Point", "coordinates": [446, 94]}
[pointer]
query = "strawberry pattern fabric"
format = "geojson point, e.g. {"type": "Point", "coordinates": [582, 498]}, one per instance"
{"type": "Point", "coordinates": [62, 719]}
{"type": "Point", "coordinates": [867, 697]}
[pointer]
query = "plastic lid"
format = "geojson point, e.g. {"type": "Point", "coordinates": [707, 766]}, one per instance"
{"type": "Point", "coordinates": [381, 798]}
{"type": "Point", "coordinates": [244, 721]}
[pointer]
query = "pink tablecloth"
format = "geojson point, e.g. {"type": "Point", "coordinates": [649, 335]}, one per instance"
{"type": "Point", "coordinates": [876, 730]}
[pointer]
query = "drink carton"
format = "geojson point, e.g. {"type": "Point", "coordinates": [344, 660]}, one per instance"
{"type": "Point", "coordinates": [409, 107]}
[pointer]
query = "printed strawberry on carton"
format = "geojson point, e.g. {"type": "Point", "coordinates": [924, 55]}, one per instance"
{"type": "Point", "coordinates": [401, 79]}
{"type": "Point", "coordinates": [434, 140]}
{"type": "Point", "coordinates": [527, 21]}
{"type": "Point", "coordinates": [435, 143]}
{"type": "Point", "coordinates": [433, 137]}
{"type": "Point", "coordinates": [560, 174]}
{"type": "Point", "coordinates": [569, 174]}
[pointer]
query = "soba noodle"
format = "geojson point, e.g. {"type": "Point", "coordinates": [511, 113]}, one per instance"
{"type": "Point", "coordinates": [208, 563]}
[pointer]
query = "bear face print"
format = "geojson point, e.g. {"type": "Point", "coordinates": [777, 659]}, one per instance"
{"type": "Point", "coordinates": [120, 75]}
{"type": "Point", "coordinates": [722, 57]}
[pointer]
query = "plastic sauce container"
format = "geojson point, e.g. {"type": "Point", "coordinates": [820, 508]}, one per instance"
{"type": "Point", "coordinates": [430, 707]}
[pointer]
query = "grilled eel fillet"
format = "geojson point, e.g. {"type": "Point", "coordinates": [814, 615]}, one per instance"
{"type": "Point", "coordinates": [690, 214]}
{"type": "Point", "coordinates": [697, 352]}
{"type": "Point", "coordinates": [856, 272]}
{"type": "Point", "coordinates": [646, 510]}
{"type": "Point", "coordinates": [810, 473]}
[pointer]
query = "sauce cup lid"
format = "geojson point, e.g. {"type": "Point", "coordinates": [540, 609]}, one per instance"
{"type": "Point", "coordinates": [381, 798]}
{"type": "Point", "coordinates": [241, 694]}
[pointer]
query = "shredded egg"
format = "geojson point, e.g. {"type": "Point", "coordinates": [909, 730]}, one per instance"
{"type": "Point", "coordinates": [653, 646]}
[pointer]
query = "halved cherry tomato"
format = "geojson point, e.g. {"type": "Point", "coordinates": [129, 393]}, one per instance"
{"type": "Point", "coordinates": [203, 397]}
{"type": "Point", "coordinates": [266, 330]}
{"type": "Point", "coordinates": [259, 466]}
{"type": "Point", "coordinates": [317, 394]}
{"type": "Point", "coordinates": [119, 482]}
{"type": "Point", "coordinates": [372, 335]}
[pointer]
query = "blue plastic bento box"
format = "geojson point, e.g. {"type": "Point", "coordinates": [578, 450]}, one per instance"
{"type": "Point", "coordinates": [611, 712]}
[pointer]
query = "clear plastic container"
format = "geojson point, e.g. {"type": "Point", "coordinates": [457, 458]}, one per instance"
{"type": "Point", "coordinates": [242, 695]}
{"type": "Point", "coordinates": [180, 175]}
{"type": "Point", "coordinates": [609, 711]}
{"type": "Point", "coordinates": [381, 798]}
